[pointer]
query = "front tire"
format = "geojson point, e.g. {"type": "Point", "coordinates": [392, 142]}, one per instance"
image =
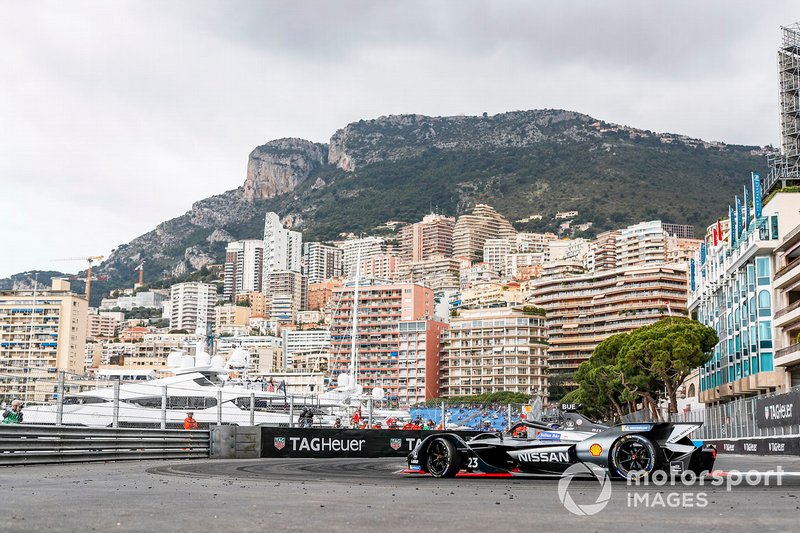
{"type": "Point", "coordinates": [442, 458]}
{"type": "Point", "coordinates": [635, 457]}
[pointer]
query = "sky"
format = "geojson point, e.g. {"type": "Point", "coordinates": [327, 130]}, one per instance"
{"type": "Point", "coordinates": [116, 116]}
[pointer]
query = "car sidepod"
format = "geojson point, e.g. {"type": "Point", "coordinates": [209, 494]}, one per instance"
{"type": "Point", "coordinates": [674, 452]}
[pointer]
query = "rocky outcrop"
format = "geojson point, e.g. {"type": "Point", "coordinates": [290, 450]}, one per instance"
{"type": "Point", "coordinates": [395, 137]}
{"type": "Point", "coordinates": [280, 166]}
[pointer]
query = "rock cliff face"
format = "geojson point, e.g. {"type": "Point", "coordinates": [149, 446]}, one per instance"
{"type": "Point", "coordinates": [280, 166]}
{"type": "Point", "coordinates": [398, 137]}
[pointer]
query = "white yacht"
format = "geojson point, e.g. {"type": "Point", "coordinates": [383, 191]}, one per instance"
{"type": "Point", "coordinates": [201, 386]}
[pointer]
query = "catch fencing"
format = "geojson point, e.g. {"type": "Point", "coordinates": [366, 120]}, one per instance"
{"type": "Point", "coordinates": [767, 415]}
{"type": "Point", "coordinates": [26, 444]}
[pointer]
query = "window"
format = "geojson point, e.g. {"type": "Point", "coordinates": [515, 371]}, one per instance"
{"type": "Point", "coordinates": [764, 303]}
{"type": "Point", "coordinates": [751, 275]}
{"type": "Point", "coordinates": [766, 362]}
{"type": "Point", "coordinates": [765, 334]}
{"type": "Point", "coordinates": [774, 226]}
{"type": "Point", "coordinates": [762, 270]}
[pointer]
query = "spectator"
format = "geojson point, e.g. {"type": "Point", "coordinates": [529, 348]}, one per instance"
{"type": "Point", "coordinates": [270, 385]}
{"type": "Point", "coordinates": [487, 426]}
{"type": "Point", "coordinates": [189, 422]}
{"type": "Point", "coordinates": [13, 415]}
{"type": "Point", "coordinates": [338, 423]}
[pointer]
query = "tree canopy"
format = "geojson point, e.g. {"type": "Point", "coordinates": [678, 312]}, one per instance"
{"type": "Point", "coordinates": [642, 367]}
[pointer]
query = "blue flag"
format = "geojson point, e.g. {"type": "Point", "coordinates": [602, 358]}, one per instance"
{"type": "Point", "coordinates": [731, 227]}
{"type": "Point", "coordinates": [746, 209]}
{"type": "Point", "coordinates": [756, 195]}
{"type": "Point", "coordinates": [703, 253]}
{"type": "Point", "coordinates": [691, 273]}
{"type": "Point", "coordinates": [738, 217]}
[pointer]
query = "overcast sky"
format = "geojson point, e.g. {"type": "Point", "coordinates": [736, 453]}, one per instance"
{"type": "Point", "coordinates": [115, 116]}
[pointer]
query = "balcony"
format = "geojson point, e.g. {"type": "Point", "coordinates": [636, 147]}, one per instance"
{"type": "Point", "coordinates": [788, 275]}
{"type": "Point", "coordinates": [787, 315]}
{"type": "Point", "coordinates": [788, 356]}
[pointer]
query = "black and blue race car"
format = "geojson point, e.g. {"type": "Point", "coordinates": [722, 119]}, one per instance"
{"type": "Point", "coordinates": [534, 448]}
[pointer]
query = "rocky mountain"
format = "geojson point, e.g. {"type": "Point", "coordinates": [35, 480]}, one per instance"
{"type": "Point", "coordinates": [400, 167]}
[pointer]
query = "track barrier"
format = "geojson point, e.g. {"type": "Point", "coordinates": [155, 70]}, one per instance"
{"type": "Point", "coordinates": [30, 444]}
{"type": "Point", "coordinates": [366, 443]}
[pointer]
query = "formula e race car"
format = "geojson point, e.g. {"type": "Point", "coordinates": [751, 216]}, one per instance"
{"type": "Point", "coordinates": [533, 448]}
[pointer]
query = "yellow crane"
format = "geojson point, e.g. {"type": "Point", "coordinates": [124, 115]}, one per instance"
{"type": "Point", "coordinates": [91, 259]}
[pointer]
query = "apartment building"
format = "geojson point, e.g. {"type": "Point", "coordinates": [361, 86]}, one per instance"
{"type": "Point", "coordinates": [493, 350]}
{"type": "Point", "coordinates": [41, 331]}
{"type": "Point", "coordinates": [282, 247]}
{"type": "Point", "coordinates": [382, 308]}
{"type": "Point", "coordinates": [230, 318]}
{"type": "Point", "coordinates": [438, 273]}
{"type": "Point", "coordinates": [301, 346]}
{"type": "Point", "coordinates": [418, 360]}
{"type": "Point", "coordinates": [287, 294]}
{"type": "Point", "coordinates": [192, 305]}
{"type": "Point", "coordinates": [101, 326]}
{"type": "Point", "coordinates": [321, 261]}
{"type": "Point", "coordinates": [379, 266]}
{"type": "Point", "coordinates": [585, 309]}
{"type": "Point", "coordinates": [471, 231]}
{"type": "Point", "coordinates": [319, 294]}
{"type": "Point", "coordinates": [244, 267]}
{"type": "Point", "coordinates": [786, 283]}
{"type": "Point", "coordinates": [495, 252]}
{"type": "Point", "coordinates": [431, 237]}
{"type": "Point", "coordinates": [365, 248]}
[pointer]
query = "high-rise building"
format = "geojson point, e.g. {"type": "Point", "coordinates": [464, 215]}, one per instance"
{"type": "Point", "coordinates": [364, 248]}
{"type": "Point", "coordinates": [287, 294]}
{"type": "Point", "coordinates": [418, 361]}
{"type": "Point", "coordinates": [785, 168]}
{"type": "Point", "coordinates": [282, 247]}
{"type": "Point", "coordinates": [471, 231]}
{"type": "Point", "coordinates": [382, 309]}
{"type": "Point", "coordinates": [192, 306]}
{"type": "Point", "coordinates": [40, 331]}
{"type": "Point", "coordinates": [495, 252]}
{"type": "Point", "coordinates": [493, 350]}
{"type": "Point", "coordinates": [585, 309]}
{"type": "Point", "coordinates": [641, 244]}
{"type": "Point", "coordinates": [743, 288]}
{"type": "Point", "coordinates": [244, 267]}
{"type": "Point", "coordinates": [433, 236]}
{"type": "Point", "coordinates": [321, 261]}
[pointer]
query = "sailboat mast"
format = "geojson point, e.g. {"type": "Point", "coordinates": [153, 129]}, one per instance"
{"type": "Point", "coordinates": [354, 339]}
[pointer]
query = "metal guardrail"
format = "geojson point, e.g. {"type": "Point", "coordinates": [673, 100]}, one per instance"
{"type": "Point", "coordinates": [28, 444]}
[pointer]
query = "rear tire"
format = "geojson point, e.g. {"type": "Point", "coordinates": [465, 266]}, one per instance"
{"type": "Point", "coordinates": [442, 458]}
{"type": "Point", "coordinates": [635, 457]}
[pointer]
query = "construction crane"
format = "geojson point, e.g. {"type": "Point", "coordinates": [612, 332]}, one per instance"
{"type": "Point", "coordinates": [140, 268]}
{"type": "Point", "coordinates": [91, 259]}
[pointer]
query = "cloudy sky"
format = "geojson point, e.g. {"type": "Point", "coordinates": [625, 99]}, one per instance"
{"type": "Point", "coordinates": [115, 116]}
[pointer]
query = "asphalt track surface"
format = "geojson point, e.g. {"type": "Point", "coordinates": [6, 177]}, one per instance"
{"type": "Point", "coordinates": [368, 495]}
